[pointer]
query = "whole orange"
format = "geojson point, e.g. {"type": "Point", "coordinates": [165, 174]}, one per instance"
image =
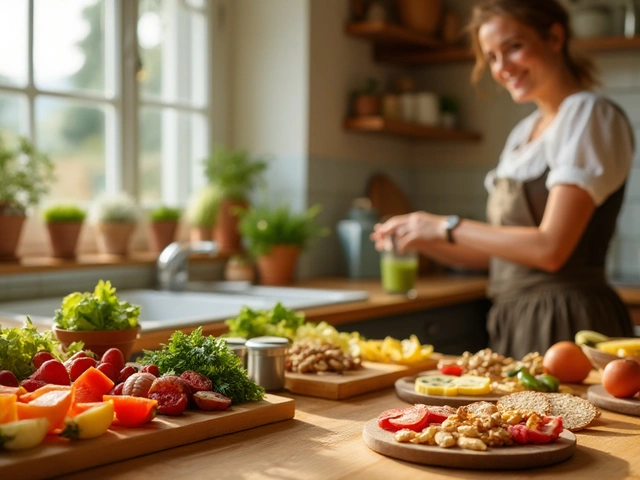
{"type": "Point", "coordinates": [567, 362]}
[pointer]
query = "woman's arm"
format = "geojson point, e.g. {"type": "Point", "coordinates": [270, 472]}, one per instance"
{"type": "Point", "coordinates": [547, 247]}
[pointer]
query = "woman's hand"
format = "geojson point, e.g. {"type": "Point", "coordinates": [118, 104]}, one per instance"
{"type": "Point", "coordinates": [410, 231]}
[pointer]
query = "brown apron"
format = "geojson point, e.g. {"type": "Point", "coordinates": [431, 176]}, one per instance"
{"type": "Point", "coordinates": [533, 309]}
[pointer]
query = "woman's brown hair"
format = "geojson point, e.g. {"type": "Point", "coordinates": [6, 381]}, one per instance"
{"type": "Point", "coordinates": [539, 15]}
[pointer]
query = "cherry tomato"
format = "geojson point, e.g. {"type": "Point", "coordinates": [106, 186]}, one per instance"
{"type": "Point", "coordinates": [456, 370]}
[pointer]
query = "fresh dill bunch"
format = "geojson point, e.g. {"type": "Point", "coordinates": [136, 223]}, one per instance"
{"type": "Point", "coordinates": [209, 356]}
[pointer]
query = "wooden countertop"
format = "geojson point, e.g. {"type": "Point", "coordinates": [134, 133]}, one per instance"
{"type": "Point", "coordinates": [431, 292]}
{"type": "Point", "coordinates": [324, 441]}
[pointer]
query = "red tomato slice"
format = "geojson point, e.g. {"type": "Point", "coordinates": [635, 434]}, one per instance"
{"type": "Point", "coordinates": [384, 417]}
{"type": "Point", "coordinates": [414, 418]}
{"type": "Point", "coordinates": [456, 370]}
{"type": "Point", "coordinates": [439, 414]}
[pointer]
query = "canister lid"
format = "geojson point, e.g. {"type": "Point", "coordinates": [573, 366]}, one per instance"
{"type": "Point", "coordinates": [268, 345]}
{"type": "Point", "coordinates": [235, 340]}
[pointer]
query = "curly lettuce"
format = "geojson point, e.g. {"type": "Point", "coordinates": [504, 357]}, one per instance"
{"type": "Point", "coordinates": [100, 310]}
{"type": "Point", "coordinates": [279, 322]}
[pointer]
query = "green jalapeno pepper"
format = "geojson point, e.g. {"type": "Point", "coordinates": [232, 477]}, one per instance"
{"type": "Point", "coordinates": [513, 372]}
{"type": "Point", "coordinates": [552, 383]}
{"type": "Point", "coordinates": [530, 382]}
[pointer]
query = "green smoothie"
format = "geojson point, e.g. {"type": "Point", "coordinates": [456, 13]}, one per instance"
{"type": "Point", "coordinates": [398, 273]}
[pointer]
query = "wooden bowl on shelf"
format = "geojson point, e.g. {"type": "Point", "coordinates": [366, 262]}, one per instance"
{"type": "Point", "coordinates": [599, 359]}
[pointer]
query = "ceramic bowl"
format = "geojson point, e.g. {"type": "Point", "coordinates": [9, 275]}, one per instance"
{"type": "Point", "coordinates": [599, 359]}
{"type": "Point", "coordinates": [102, 340]}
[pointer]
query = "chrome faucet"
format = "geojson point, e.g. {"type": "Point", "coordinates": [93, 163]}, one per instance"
{"type": "Point", "coordinates": [173, 263]}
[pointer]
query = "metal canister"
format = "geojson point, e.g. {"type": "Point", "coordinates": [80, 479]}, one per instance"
{"type": "Point", "coordinates": [237, 346]}
{"type": "Point", "coordinates": [265, 361]}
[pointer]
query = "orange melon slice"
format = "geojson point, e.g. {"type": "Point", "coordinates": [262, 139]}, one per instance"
{"type": "Point", "coordinates": [8, 409]}
{"type": "Point", "coordinates": [132, 411]}
{"type": "Point", "coordinates": [91, 385]}
{"type": "Point", "coordinates": [52, 405]}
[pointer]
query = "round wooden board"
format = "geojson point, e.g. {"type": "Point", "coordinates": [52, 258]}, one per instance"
{"type": "Point", "coordinates": [506, 458]}
{"type": "Point", "coordinates": [405, 390]}
{"type": "Point", "coordinates": [597, 395]}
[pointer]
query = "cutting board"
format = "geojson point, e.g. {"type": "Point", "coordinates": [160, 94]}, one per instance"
{"type": "Point", "coordinates": [374, 376]}
{"type": "Point", "coordinates": [386, 197]}
{"type": "Point", "coordinates": [57, 456]}
{"type": "Point", "coordinates": [505, 458]}
{"type": "Point", "coordinates": [597, 395]}
{"type": "Point", "coordinates": [405, 389]}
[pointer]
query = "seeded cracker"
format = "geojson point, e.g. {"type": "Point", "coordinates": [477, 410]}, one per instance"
{"type": "Point", "coordinates": [531, 401]}
{"type": "Point", "coordinates": [577, 413]}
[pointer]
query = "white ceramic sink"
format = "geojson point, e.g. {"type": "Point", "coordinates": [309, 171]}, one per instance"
{"type": "Point", "coordinates": [162, 309]}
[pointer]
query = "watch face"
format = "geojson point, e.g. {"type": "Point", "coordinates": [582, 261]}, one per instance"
{"type": "Point", "coordinates": [452, 221]}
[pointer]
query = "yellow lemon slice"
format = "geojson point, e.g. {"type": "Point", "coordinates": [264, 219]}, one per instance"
{"type": "Point", "coordinates": [441, 385]}
{"type": "Point", "coordinates": [473, 385]}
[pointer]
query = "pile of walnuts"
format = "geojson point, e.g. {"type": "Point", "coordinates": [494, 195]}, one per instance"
{"type": "Point", "coordinates": [310, 358]}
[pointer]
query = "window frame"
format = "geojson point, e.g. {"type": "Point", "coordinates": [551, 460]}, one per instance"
{"type": "Point", "coordinates": [123, 99]}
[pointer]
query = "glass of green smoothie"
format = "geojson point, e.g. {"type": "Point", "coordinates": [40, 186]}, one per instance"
{"type": "Point", "coordinates": [399, 272]}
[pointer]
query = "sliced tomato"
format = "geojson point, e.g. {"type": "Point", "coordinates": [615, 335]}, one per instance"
{"type": "Point", "coordinates": [456, 370]}
{"type": "Point", "coordinates": [546, 432]}
{"type": "Point", "coordinates": [384, 417]}
{"type": "Point", "coordinates": [414, 418]}
{"type": "Point", "coordinates": [439, 414]}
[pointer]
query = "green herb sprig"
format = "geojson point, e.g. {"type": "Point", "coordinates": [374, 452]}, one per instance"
{"type": "Point", "coordinates": [208, 356]}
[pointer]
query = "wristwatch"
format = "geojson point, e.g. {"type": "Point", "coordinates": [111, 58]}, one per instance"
{"type": "Point", "coordinates": [451, 222]}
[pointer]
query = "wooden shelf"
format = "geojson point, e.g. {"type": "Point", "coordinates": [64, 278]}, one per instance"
{"type": "Point", "coordinates": [399, 45]}
{"type": "Point", "coordinates": [380, 125]}
{"type": "Point", "coordinates": [382, 33]}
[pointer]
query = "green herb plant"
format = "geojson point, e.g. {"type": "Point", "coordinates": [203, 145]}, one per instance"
{"type": "Point", "coordinates": [202, 210]}
{"type": "Point", "coordinates": [19, 345]}
{"type": "Point", "coordinates": [209, 356]}
{"type": "Point", "coordinates": [25, 176]}
{"type": "Point", "coordinates": [114, 208]}
{"type": "Point", "coordinates": [279, 322]}
{"type": "Point", "coordinates": [164, 214]}
{"type": "Point", "coordinates": [60, 213]}
{"type": "Point", "coordinates": [234, 171]}
{"type": "Point", "coordinates": [263, 227]}
{"type": "Point", "coordinates": [100, 310]}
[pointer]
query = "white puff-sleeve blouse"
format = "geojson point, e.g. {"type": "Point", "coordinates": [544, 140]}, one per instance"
{"type": "Point", "coordinates": [589, 144]}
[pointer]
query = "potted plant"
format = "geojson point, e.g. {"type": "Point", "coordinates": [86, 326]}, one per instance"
{"type": "Point", "coordinates": [99, 319]}
{"type": "Point", "coordinates": [64, 222]}
{"type": "Point", "coordinates": [275, 236]}
{"type": "Point", "coordinates": [202, 212]}
{"type": "Point", "coordinates": [366, 101]}
{"type": "Point", "coordinates": [115, 217]}
{"type": "Point", "coordinates": [25, 176]}
{"type": "Point", "coordinates": [239, 268]}
{"type": "Point", "coordinates": [163, 223]}
{"type": "Point", "coordinates": [235, 172]}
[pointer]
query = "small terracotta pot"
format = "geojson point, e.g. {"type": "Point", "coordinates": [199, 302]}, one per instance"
{"type": "Point", "coordinates": [101, 340]}
{"type": "Point", "coordinates": [162, 234]}
{"type": "Point", "coordinates": [278, 266]}
{"type": "Point", "coordinates": [226, 233]}
{"type": "Point", "coordinates": [201, 234]}
{"type": "Point", "coordinates": [367, 105]}
{"type": "Point", "coordinates": [239, 272]}
{"type": "Point", "coordinates": [421, 15]}
{"type": "Point", "coordinates": [64, 238]}
{"type": "Point", "coordinates": [10, 230]}
{"type": "Point", "coordinates": [113, 238]}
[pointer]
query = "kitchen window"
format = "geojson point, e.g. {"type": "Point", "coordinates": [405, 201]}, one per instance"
{"type": "Point", "coordinates": [115, 91]}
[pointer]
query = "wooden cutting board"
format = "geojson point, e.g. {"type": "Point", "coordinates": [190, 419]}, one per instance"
{"type": "Point", "coordinates": [597, 395]}
{"type": "Point", "coordinates": [386, 197]}
{"type": "Point", "coordinates": [405, 389]}
{"type": "Point", "coordinates": [374, 376]}
{"type": "Point", "coordinates": [57, 456]}
{"type": "Point", "coordinates": [516, 457]}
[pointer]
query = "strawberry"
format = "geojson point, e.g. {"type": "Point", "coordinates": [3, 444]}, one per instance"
{"type": "Point", "coordinates": [114, 357]}
{"type": "Point", "coordinates": [125, 373]}
{"type": "Point", "coordinates": [109, 370]}
{"type": "Point", "coordinates": [69, 361]}
{"type": "Point", "coordinates": [116, 390]}
{"type": "Point", "coordinates": [79, 365]}
{"type": "Point", "coordinates": [41, 357]}
{"type": "Point", "coordinates": [152, 369]}
{"type": "Point", "coordinates": [8, 379]}
{"type": "Point", "coordinates": [31, 384]}
{"type": "Point", "coordinates": [52, 371]}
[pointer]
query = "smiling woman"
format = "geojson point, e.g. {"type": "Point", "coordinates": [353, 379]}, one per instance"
{"type": "Point", "coordinates": [554, 196]}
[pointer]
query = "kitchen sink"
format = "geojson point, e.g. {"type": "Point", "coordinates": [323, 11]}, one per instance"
{"type": "Point", "coordinates": [212, 302]}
